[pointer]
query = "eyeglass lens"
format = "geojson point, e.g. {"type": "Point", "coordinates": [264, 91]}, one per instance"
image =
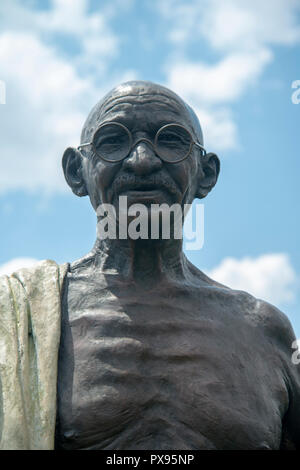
{"type": "Point", "coordinates": [113, 142]}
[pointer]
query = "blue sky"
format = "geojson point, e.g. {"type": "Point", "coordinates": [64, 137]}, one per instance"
{"type": "Point", "coordinates": [234, 61]}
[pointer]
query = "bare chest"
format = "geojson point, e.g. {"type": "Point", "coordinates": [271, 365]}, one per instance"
{"type": "Point", "coordinates": [163, 372]}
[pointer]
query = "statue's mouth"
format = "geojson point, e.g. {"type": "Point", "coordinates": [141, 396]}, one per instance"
{"type": "Point", "coordinates": [157, 182]}
{"type": "Point", "coordinates": [143, 187]}
{"type": "Point", "coordinates": [146, 192]}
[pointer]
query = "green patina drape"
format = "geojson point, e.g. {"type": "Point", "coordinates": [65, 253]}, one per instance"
{"type": "Point", "coordinates": [30, 319]}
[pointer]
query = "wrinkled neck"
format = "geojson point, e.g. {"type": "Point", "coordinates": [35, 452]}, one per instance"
{"type": "Point", "coordinates": [143, 261]}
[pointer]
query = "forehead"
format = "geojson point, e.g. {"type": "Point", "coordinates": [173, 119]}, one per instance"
{"type": "Point", "coordinates": [143, 111]}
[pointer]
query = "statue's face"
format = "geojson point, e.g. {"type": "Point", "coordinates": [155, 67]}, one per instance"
{"type": "Point", "coordinates": [142, 176]}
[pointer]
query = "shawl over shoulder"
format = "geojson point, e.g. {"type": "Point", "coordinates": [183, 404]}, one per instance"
{"type": "Point", "coordinates": [30, 321]}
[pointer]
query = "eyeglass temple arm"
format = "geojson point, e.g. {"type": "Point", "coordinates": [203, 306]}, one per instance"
{"type": "Point", "coordinates": [84, 145]}
{"type": "Point", "coordinates": [200, 147]}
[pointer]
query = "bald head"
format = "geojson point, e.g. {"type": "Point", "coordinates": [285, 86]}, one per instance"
{"type": "Point", "coordinates": [140, 92]}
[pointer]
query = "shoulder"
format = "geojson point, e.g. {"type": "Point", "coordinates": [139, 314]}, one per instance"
{"type": "Point", "coordinates": [271, 321]}
{"type": "Point", "coordinates": [274, 322]}
{"type": "Point", "coordinates": [35, 277]}
{"type": "Point", "coordinates": [280, 333]}
{"type": "Point", "coordinates": [37, 268]}
{"type": "Point", "coordinates": [257, 312]}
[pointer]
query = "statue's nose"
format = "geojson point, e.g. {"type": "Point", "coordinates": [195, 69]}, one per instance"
{"type": "Point", "coordinates": [142, 159]}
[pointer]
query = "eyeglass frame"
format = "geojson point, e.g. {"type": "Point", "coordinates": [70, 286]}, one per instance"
{"type": "Point", "coordinates": [154, 145]}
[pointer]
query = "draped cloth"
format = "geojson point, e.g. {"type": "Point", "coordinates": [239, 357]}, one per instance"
{"type": "Point", "coordinates": [30, 323]}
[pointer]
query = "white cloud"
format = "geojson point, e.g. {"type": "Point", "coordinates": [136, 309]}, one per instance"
{"type": "Point", "coordinates": [47, 95]}
{"type": "Point", "coordinates": [270, 277]}
{"type": "Point", "coordinates": [229, 25]}
{"type": "Point", "coordinates": [207, 87]}
{"type": "Point", "coordinates": [219, 129]}
{"type": "Point", "coordinates": [44, 112]}
{"type": "Point", "coordinates": [92, 37]}
{"type": "Point", "coordinates": [97, 43]}
{"type": "Point", "coordinates": [241, 24]}
{"type": "Point", "coordinates": [242, 32]}
{"type": "Point", "coordinates": [62, 11]}
{"type": "Point", "coordinates": [222, 82]}
{"type": "Point", "coordinates": [15, 264]}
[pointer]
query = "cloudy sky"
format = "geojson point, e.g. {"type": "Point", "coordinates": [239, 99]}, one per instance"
{"type": "Point", "coordinates": [234, 61]}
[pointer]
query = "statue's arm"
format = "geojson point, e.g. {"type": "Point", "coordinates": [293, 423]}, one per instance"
{"type": "Point", "coordinates": [281, 333]}
{"type": "Point", "coordinates": [291, 425]}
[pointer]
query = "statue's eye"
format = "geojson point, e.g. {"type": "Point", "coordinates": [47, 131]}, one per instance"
{"type": "Point", "coordinates": [112, 140]}
{"type": "Point", "coordinates": [170, 138]}
{"type": "Point", "coordinates": [173, 143]}
{"type": "Point", "coordinates": [174, 136]}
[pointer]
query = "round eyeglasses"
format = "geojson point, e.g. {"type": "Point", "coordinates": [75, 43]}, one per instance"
{"type": "Point", "coordinates": [113, 142]}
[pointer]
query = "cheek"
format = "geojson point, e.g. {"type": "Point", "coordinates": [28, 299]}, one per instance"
{"type": "Point", "coordinates": [99, 177]}
{"type": "Point", "coordinates": [184, 174]}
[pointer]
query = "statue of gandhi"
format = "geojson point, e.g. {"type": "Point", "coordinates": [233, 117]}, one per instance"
{"type": "Point", "coordinates": [153, 353]}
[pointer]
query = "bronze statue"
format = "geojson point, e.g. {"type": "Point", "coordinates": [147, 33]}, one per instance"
{"type": "Point", "coordinates": [153, 354]}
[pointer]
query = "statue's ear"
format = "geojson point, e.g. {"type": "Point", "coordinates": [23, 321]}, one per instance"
{"type": "Point", "coordinates": [72, 166]}
{"type": "Point", "coordinates": [209, 174]}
